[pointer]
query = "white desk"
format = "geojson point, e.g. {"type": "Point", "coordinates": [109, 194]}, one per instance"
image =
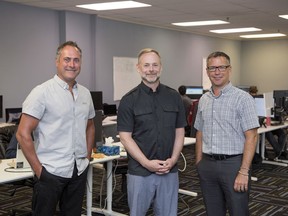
{"type": "Point", "coordinates": [19, 174]}
{"type": "Point", "coordinates": [109, 210]}
{"type": "Point", "coordinates": [261, 144]}
{"type": "Point", "coordinates": [109, 120]}
{"type": "Point", "coordinates": [14, 175]}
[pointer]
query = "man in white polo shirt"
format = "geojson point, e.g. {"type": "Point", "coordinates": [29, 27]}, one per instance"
{"type": "Point", "coordinates": [60, 114]}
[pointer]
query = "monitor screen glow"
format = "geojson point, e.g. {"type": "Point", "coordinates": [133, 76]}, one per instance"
{"type": "Point", "coordinates": [194, 92]}
{"type": "Point", "coordinates": [264, 104]}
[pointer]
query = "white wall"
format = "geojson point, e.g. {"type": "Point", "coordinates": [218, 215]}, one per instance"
{"type": "Point", "coordinates": [26, 57]}
{"type": "Point", "coordinates": [181, 53]}
{"type": "Point", "coordinates": [265, 64]}
{"type": "Point", "coordinates": [30, 37]}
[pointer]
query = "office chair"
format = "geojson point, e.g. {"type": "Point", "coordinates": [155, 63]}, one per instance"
{"type": "Point", "coordinates": [13, 114]}
{"type": "Point", "coordinates": [19, 184]}
{"type": "Point", "coordinates": [11, 144]}
{"type": "Point", "coordinates": [192, 117]}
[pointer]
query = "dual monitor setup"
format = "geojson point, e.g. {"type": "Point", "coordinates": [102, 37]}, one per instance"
{"type": "Point", "coordinates": [101, 110]}
{"type": "Point", "coordinates": [273, 104]}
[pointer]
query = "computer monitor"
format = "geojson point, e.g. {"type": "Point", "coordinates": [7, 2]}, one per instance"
{"type": "Point", "coordinates": [260, 105]}
{"type": "Point", "coordinates": [109, 109]}
{"type": "Point", "coordinates": [98, 128]}
{"type": "Point", "coordinates": [269, 104]}
{"type": "Point", "coordinates": [97, 97]}
{"type": "Point", "coordinates": [281, 104]}
{"type": "Point", "coordinates": [1, 106]}
{"type": "Point", "coordinates": [264, 104]}
{"type": "Point", "coordinates": [281, 97]}
{"type": "Point", "coordinates": [194, 92]}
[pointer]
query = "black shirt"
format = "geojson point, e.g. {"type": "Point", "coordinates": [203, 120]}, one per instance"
{"type": "Point", "coordinates": [152, 117]}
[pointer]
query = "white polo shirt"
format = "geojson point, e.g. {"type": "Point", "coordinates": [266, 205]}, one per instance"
{"type": "Point", "coordinates": [60, 137]}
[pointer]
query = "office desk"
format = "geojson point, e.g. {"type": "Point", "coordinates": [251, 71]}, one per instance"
{"type": "Point", "coordinates": [109, 120]}
{"type": "Point", "coordinates": [20, 174]}
{"type": "Point", "coordinates": [109, 210]}
{"type": "Point", "coordinates": [13, 175]}
{"type": "Point", "coordinates": [261, 143]}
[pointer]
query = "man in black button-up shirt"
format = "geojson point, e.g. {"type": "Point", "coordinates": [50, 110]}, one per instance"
{"type": "Point", "coordinates": [151, 121]}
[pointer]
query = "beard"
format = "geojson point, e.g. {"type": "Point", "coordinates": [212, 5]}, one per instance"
{"type": "Point", "coordinates": [151, 80]}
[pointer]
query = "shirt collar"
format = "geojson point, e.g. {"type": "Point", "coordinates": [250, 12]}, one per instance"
{"type": "Point", "coordinates": [224, 90]}
{"type": "Point", "coordinates": [148, 90]}
{"type": "Point", "coordinates": [62, 83]}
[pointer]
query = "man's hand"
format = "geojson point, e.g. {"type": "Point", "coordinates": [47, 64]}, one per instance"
{"type": "Point", "coordinates": [159, 167]}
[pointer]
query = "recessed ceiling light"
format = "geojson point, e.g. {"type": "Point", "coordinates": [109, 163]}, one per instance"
{"type": "Point", "coordinates": [263, 35]}
{"type": "Point", "coordinates": [284, 16]}
{"type": "Point", "coordinates": [113, 5]}
{"type": "Point", "coordinates": [201, 23]}
{"type": "Point", "coordinates": [235, 30]}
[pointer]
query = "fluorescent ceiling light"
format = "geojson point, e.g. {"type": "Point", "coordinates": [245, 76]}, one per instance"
{"type": "Point", "coordinates": [113, 5]}
{"type": "Point", "coordinates": [284, 16]}
{"type": "Point", "coordinates": [235, 30]}
{"type": "Point", "coordinates": [201, 23]}
{"type": "Point", "coordinates": [263, 35]}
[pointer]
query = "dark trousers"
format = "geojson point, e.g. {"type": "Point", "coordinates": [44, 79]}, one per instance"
{"type": "Point", "coordinates": [278, 143]}
{"type": "Point", "coordinates": [217, 179]}
{"type": "Point", "coordinates": [50, 190]}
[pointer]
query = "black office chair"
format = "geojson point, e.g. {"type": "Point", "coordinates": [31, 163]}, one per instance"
{"type": "Point", "coordinates": [13, 114]}
{"type": "Point", "coordinates": [194, 108]}
{"type": "Point", "coordinates": [10, 152]}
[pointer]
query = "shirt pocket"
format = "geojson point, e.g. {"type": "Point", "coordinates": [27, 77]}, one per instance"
{"type": "Point", "coordinates": [143, 116]}
{"type": "Point", "coordinates": [170, 116]}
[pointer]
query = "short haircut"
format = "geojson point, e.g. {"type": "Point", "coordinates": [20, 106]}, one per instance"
{"type": "Point", "coordinates": [68, 43]}
{"type": "Point", "coordinates": [182, 90]}
{"type": "Point", "coordinates": [148, 50]}
{"type": "Point", "coordinates": [218, 54]}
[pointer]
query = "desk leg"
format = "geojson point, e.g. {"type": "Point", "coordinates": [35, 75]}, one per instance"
{"type": "Point", "coordinates": [109, 186]}
{"type": "Point", "coordinates": [188, 193]}
{"type": "Point", "coordinates": [262, 146]}
{"type": "Point", "coordinates": [89, 188]}
{"type": "Point", "coordinates": [109, 179]}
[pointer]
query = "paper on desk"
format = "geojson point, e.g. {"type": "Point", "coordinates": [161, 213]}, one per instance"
{"type": "Point", "coordinates": [109, 141]}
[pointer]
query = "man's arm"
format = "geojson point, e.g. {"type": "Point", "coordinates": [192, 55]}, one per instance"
{"type": "Point", "coordinates": [90, 137]}
{"type": "Point", "coordinates": [241, 181]}
{"type": "Point", "coordinates": [132, 148]}
{"type": "Point", "coordinates": [178, 146]}
{"type": "Point", "coordinates": [198, 146]}
{"type": "Point", "coordinates": [24, 137]}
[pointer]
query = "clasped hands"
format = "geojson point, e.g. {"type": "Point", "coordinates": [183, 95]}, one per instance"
{"type": "Point", "coordinates": [160, 167]}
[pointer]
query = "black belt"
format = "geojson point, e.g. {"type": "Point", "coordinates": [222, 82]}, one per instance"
{"type": "Point", "coordinates": [220, 156]}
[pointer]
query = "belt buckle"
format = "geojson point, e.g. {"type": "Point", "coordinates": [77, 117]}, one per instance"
{"type": "Point", "coordinates": [219, 157]}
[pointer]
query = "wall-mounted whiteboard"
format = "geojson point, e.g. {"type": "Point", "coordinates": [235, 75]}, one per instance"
{"type": "Point", "coordinates": [205, 79]}
{"type": "Point", "coordinates": [125, 76]}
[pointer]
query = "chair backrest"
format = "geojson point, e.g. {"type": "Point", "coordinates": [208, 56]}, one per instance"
{"type": "Point", "coordinates": [13, 114]}
{"type": "Point", "coordinates": [194, 108]}
{"type": "Point", "coordinates": [110, 109]}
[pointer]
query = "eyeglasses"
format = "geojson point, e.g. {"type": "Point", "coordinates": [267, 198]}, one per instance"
{"type": "Point", "coordinates": [221, 68]}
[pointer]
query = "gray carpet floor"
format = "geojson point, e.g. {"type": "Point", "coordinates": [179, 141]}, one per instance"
{"type": "Point", "coordinates": [269, 195]}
